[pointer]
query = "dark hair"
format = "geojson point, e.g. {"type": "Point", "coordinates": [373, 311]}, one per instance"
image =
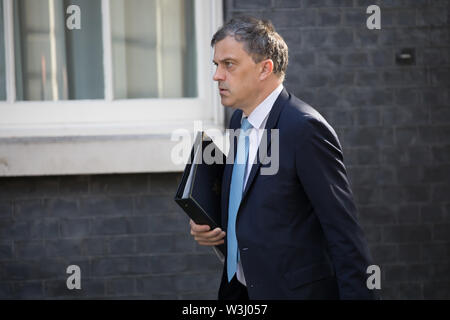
{"type": "Point", "coordinates": [260, 39]}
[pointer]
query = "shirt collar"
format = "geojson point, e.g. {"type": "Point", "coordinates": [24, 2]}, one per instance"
{"type": "Point", "coordinates": [256, 118]}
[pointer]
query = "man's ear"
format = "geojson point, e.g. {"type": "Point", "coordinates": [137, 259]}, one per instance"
{"type": "Point", "coordinates": [266, 69]}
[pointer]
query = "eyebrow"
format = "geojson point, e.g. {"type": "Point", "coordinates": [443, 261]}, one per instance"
{"type": "Point", "coordinates": [225, 59]}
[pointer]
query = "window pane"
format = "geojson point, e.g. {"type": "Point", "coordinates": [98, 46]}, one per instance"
{"type": "Point", "coordinates": [153, 45]}
{"type": "Point", "coordinates": [2, 56]}
{"type": "Point", "coordinates": [52, 61]}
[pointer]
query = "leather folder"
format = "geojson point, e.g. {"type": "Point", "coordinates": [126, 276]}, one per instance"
{"type": "Point", "coordinates": [199, 192]}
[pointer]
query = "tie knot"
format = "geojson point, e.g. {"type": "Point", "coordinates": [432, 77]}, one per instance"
{"type": "Point", "coordinates": [245, 124]}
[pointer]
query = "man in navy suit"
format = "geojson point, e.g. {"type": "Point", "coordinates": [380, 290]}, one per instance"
{"type": "Point", "coordinates": [292, 234]}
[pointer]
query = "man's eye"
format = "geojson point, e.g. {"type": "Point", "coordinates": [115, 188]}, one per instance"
{"type": "Point", "coordinates": [229, 64]}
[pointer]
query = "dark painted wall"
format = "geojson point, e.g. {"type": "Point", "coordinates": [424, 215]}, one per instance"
{"type": "Point", "coordinates": [393, 121]}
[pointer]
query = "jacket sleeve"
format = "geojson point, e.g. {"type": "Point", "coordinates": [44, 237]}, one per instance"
{"type": "Point", "coordinates": [321, 171]}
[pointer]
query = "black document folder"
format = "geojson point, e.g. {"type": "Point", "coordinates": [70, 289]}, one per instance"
{"type": "Point", "coordinates": [199, 192]}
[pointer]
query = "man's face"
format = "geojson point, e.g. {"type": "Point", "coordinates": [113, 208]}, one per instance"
{"type": "Point", "coordinates": [236, 74]}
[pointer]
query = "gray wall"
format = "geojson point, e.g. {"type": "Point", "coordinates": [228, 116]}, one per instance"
{"type": "Point", "coordinates": [393, 122]}
{"type": "Point", "coordinates": [130, 239]}
{"type": "Point", "coordinates": [125, 232]}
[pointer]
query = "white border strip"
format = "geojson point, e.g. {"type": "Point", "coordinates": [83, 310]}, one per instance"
{"type": "Point", "coordinates": [107, 51]}
{"type": "Point", "coordinates": [9, 45]}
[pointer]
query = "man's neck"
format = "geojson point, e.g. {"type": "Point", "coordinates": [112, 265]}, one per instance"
{"type": "Point", "coordinates": [261, 97]}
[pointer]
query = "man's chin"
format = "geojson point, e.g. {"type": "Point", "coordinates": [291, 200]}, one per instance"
{"type": "Point", "coordinates": [226, 103]}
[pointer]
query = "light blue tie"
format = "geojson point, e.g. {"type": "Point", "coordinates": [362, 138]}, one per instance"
{"type": "Point", "coordinates": [236, 189]}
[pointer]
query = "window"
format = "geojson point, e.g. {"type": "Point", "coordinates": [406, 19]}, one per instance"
{"type": "Point", "coordinates": [53, 62]}
{"type": "Point", "coordinates": [153, 45]}
{"type": "Point", "coordinates": [2, 59]}
{"type": "Point", "coordinates": [132, 73]}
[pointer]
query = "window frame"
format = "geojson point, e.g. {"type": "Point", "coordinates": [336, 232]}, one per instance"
{"type": "Point", "coordinates": [60, 123]}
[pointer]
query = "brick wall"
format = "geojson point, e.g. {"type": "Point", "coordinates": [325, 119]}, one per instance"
{"type": "Point", "coordinates": [125, 232]}
{"type": "Point", "coordinates": [131, 241]}
{"type": "Point", "coordinates": [393, 122]}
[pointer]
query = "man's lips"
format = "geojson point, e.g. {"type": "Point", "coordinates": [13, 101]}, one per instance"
{"type": "Point", "coordinates": [221, 90]}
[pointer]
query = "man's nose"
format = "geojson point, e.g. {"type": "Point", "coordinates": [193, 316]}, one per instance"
{"type": "Point", "coordinates": [218, 75]}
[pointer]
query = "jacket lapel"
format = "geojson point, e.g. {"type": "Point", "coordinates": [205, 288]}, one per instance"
{"type": "Point", "coordinates": [270, 124]}
{"type": "Point", "coordinates": [236, 124]}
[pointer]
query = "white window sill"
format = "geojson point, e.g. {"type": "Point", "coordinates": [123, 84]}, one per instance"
{"type": "Point", "coordinates": [90, 150]}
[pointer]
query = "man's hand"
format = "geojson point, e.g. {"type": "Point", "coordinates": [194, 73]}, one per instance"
{"type": "Point", "coordinates": [204, 236]}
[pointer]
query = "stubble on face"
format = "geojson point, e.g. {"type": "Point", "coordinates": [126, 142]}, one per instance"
{"type": "Point", "coordinates": [236, 74]}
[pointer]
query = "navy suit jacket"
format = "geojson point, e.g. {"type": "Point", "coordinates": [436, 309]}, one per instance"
{"type": "Point", "coordinates": [297, 231]}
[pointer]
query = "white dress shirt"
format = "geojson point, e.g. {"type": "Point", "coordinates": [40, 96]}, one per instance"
{"type": "Point", "coordinates": [257, 119]}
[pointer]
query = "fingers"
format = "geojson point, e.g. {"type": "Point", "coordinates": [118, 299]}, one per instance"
{"type": "Point", "coordinates": [213, 235]}
{"type": "Point", "coordinates": [198, 228]}
{"type": "Point", "coordinates": [210, 236]}
{"type": "Point", "coordinates": [204, 236]}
